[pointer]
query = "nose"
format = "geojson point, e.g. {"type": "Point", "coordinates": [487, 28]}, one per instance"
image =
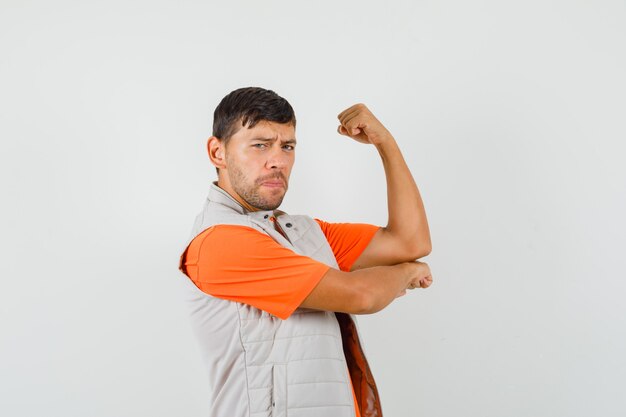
{"type": "Point", "coordinates": [277, 158]}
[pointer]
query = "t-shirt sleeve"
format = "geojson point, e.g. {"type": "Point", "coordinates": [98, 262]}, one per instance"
{"type": "Point", "coordinates": [241, 264]}
{"type": "Point", "coordinates": [347, 240]}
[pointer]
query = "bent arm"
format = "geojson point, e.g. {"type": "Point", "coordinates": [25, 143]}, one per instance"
{"type": "Point", "coordinates": [406, 236]}
{"type": "Point", "coordinates": [407, 217]}
{"type": "Point", "coordinates": [367, 290]}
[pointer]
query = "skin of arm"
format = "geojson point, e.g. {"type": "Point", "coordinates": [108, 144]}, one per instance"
{"type": "Point", "coordinates": [367, 290]}
{"type": "Point", "coordinates": [387, 267]}
{"type": "Point", "coordinates": [406, 236]}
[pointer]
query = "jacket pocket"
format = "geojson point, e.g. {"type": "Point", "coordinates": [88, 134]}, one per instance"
{"type": "Point", "coordinates": [279, 390]}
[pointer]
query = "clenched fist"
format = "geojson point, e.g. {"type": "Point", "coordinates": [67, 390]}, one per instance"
{"type": "Point", "coordinates": [360, 124]}
{"type": "Point", "coordinates": [421, 277]}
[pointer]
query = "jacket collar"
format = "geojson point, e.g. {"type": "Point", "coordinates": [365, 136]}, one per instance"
{"type": "Point", "coordinates": [221, 196]}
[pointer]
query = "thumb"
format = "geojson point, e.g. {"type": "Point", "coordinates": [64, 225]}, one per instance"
{"type": "Point", "coordinates": [342, 130]}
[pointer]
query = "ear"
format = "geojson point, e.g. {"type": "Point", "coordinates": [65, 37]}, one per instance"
{"type": "Point", "coordinates": [217, 152]}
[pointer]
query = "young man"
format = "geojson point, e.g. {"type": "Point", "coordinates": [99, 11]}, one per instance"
{"type": "Point", "coordinates": [273, 295]}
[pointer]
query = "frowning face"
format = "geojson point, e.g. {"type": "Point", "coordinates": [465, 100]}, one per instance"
{"type": "Point", "coordinates": [258, 163]}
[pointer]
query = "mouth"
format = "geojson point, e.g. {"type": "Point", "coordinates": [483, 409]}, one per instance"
{"type": "Point", "coordinates": [274, 184]}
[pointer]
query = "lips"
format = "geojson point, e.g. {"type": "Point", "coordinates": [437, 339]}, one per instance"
{"type": "Point", "coordinates": [273, 184]}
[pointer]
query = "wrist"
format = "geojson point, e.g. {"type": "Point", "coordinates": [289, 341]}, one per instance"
{"type": "Point", "coordinates": [386, 146]}
{"type": "Point", "coordinates": [408, 270]}
{"type": "Point", "coordinates": [384, 139]}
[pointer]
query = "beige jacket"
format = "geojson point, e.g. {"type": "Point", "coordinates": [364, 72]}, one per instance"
{"type": "Point", "coordinates": [260, 365]}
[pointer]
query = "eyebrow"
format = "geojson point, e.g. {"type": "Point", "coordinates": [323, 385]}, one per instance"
{"type": "Point", "coordinates": [273, 139]}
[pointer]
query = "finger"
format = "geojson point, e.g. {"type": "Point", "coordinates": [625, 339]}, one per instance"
{"type": "Point", "coordinates": [351, 119]}
{"type": "Point", "coordinates": [340, 115]}
{"type": "Point", "coordinates": [355, 131]}
{"type": "Point", "coordinates": [350, 113]}
{"type": "Point", "coordinates": [349, 131]}
{"type": "Point", "coordinates": [356, 110]}
{"type": "Point", "coordinates": [354, 125]}
{"type": "Point", "coordinates": [348, 110]}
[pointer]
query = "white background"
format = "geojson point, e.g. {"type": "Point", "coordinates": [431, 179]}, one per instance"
{"type": "Point", "coordinates": [510, 115]}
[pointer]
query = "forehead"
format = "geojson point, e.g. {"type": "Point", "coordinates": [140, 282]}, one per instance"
{"type": "Point", "coordinates": [267, 130]}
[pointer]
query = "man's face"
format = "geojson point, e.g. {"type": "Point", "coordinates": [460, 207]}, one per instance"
{"type": "Point", "coordinates": [258, 164]}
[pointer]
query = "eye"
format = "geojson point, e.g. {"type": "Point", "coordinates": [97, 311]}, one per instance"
{"type": "Point", "coordinates": [259, 145]}
{"type": "Point", "coordinates": [289, 147]}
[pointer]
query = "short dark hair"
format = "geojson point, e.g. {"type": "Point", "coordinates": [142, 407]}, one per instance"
{"type": "Point", "coordinates": [246, 107]}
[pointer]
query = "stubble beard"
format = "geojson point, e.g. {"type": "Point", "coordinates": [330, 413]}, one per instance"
{"type": "Point", "coordinates": [250, 193]}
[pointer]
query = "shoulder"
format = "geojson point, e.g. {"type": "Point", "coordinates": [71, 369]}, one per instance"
{"type": "Point", "coordinates": [225, 234]}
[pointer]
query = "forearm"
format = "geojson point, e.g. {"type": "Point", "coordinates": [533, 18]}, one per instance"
{"type": "Point", "coordinates": [367, 290]}
{"type": "Point", "coordinates": [407, 217]}
{"type": "Point", "coordinates": [378, 286]}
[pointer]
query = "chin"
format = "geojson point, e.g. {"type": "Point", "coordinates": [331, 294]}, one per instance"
{"type": "Point", "coordinates": [276, 204]}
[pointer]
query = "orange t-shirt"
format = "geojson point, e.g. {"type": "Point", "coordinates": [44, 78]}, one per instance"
{"type": "Point", "coordinates": [242, 264]}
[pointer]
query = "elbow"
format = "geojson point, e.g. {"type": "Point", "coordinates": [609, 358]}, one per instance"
{"type": "Point", "coordinates": [415, 246]}
{"type": "Point", "coordinates": [425, 251]}
{"type": "Point", "coordinates": [420, 249]}
{"type": "Point", "coordinates": [424, 246]}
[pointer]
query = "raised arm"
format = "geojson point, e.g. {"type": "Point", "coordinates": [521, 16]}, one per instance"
{"type": "Point", "coordinates": [406, 236]}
